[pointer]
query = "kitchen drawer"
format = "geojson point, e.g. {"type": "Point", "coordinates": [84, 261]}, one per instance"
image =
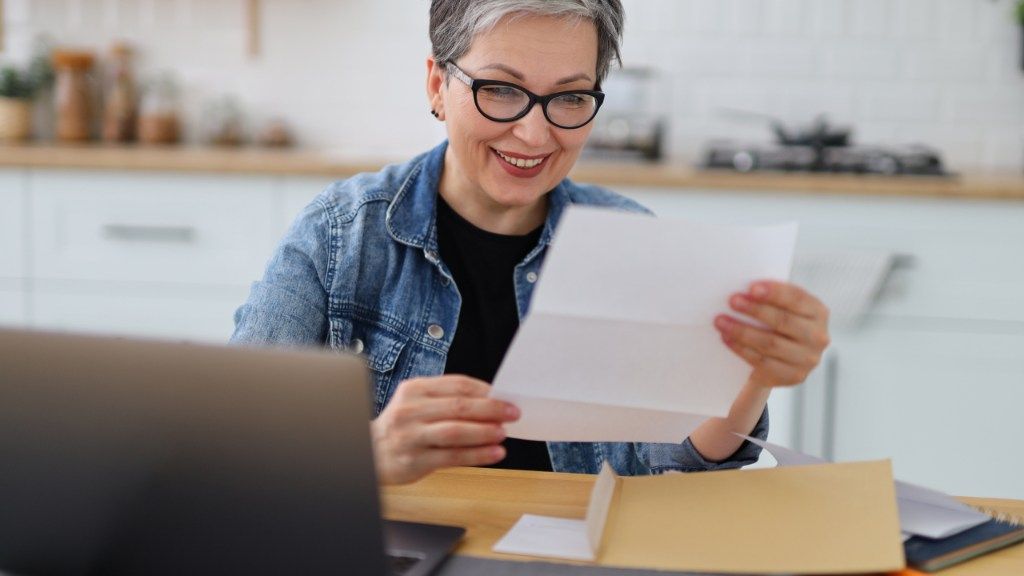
{"type": "Point", "coordinates": [13, 311]}
{"type": "Point", "coordinates": [152, 227]}
{"type": "Point", "coordinates": [12, 223]}
{"type": "Point", "coordinates": [187, 313]}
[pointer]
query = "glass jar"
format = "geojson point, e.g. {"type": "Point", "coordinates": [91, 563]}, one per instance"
{"type": "Point", "coordinates": [120, 109]}
{"type": "Point", "coordinates": [223, 123]}
{"type": "Point", "coordinates": [158, 113]}
{"type": "Point", "coordinates": [73, 95]}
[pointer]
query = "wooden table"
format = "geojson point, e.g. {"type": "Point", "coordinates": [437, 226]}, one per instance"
{"type": "Point", "coordinates": [488, 502]}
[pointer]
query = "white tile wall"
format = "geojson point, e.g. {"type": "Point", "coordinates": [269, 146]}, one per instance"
{"type": "Point", "coordinates": [349, 74]}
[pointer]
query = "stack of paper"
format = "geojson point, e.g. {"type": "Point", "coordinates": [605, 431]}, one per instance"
{"type": "Point", "coordinates": [620, 344]}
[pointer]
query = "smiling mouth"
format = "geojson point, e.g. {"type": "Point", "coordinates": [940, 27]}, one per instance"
{"type": "Point", "coordinates": [525, 163]}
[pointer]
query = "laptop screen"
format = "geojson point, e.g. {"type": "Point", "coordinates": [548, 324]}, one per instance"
{"type": "Point", "coordinates": [141, 457]}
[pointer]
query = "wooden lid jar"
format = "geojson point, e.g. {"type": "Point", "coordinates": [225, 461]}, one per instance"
{"type": "Point", "coordinates": [73, 95]}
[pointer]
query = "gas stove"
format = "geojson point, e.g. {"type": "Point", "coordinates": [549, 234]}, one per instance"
{"type": "Point", "coordinates": [850, 159]}
{"type": "Point", "coordinates": [820, 147]}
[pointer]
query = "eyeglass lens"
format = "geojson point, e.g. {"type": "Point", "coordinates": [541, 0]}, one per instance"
{"type": "Point", "coordinates": [506, 102]}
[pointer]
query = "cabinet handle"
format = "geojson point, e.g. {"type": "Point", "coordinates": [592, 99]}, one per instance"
{"type": "Point", "coordinates": [144, 233]}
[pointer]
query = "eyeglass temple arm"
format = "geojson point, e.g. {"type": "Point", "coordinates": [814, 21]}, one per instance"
{"type": "Point", "coordinates": [458, 73]}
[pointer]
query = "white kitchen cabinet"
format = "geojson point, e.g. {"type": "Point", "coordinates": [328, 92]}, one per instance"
{"type": "Point", "coordinates": [150, 254]}
{"type": "Point", "coordinates": [193, 313]}
{"type": "Point", "coordinates": [944, 405]}
{"type": "Point", "coordinates": [13, 257]}
{"type": "Point", "coordinates": [13, 304]}
{"type": "Point", "coordinates": [12, 223]}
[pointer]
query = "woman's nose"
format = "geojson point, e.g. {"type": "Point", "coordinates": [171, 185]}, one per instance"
{"type": "Point", "coordinates": [534, 130]}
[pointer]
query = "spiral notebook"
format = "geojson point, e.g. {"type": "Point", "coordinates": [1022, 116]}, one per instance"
{"type": "Point", "coordinates": [930, 555]}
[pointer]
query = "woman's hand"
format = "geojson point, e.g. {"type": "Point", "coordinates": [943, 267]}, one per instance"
{"type": "Point", "coordinates": [784, 352]}
{"type": "Point", "coordinates": [436, 422]}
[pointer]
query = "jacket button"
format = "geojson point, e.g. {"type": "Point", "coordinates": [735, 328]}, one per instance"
{"type": "Point", "coordinates": [435, 332]}
{"type": "Point", "coordinates": [357, 346]}
{"type": "Point", "coordinates": [531, 277]}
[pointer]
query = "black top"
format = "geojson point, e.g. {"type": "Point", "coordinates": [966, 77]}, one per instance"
{"type": "Point", "coordinates": [483, 266]}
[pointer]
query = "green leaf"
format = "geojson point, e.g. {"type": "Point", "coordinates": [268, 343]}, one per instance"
{"type": "Point", "coordinates": [14, 84]}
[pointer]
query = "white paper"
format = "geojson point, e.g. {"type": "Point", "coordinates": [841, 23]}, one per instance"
{"type": "Point", "coordinates": [566, 538]}
{"type": "Point", "coordinates": [629, 364]}
{"type": "Point", "coordinates": [545, 536]}
{"type": "Point", "coordinates": [929, 513]}
{"type": "Point", "coordinates": [622, 320]}
{"type": "Point", "coordinates": [923, 511]}
{"type": "Point", "coordinates": [544, 419]}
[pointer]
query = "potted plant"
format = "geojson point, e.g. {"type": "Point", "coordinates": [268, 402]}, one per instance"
{"type": "Point", "coordinates": [16, 90]}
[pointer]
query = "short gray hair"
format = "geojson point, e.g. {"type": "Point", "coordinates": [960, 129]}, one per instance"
{"type": "Point", "coordinates": [455, 23]}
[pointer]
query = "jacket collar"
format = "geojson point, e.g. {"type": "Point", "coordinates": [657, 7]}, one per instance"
{"type": "Point", "coordinates": [412, 215]}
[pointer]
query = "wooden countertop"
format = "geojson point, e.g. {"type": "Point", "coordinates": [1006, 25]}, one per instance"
{"type": "Point", "coordinates": [665, 175]}
{"type": "Point", "coordinates": [489, 501]}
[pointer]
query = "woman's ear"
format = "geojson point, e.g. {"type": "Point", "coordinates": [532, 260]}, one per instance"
{"type": "Point", "coordinates": [435, 84]}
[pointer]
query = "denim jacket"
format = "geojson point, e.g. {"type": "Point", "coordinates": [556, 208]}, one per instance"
{"type": "Point", "coordinates": [359, 271]}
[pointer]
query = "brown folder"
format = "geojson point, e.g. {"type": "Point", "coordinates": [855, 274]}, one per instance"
{"type": "Point", "coordinates": [829, 518]}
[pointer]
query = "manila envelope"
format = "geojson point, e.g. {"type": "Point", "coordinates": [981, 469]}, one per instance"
{"type": "Point", "coordinates": [829, 518]}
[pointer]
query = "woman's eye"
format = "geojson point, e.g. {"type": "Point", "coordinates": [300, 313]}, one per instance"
{"type": "Point", "coordinates": [572, 100]}
{"type": "Point", "coordinates": [500, 92]}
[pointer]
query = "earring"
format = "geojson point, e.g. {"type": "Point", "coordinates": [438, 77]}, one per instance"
{"type": "Point", "coordinates": [434, 112]}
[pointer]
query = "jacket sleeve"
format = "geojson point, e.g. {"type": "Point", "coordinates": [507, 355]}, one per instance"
{"type": "Point", "coordinates": [289, 305]}
{"type": "Point", "coordinates": [660, 458]}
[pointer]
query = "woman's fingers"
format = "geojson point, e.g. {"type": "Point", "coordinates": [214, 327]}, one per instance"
{"type": "Point", "coordinates": [766, 343]}
{"type": "Point", "coordinates": [408, 463]}
{"type": "Point", "coordinates": [439, 421]}
{"type": "Point", "coordinates": [449, 397]}
{"type": "Point", "coordinates": [456, 408]}
{"type": "Point", "coordinates": [787, 309]}
{"type": "Point", "coordinates": [441, 386]}
{"type": "Point", "coordinates": [789, 297]}
{"type": "Point", "coordinates": [449, 434]}
{"type": "Point", "coordinates": [479, 456]}
{"type": "Point", "coordinates": [791, 324]}
{"type": "Point", "coordinates": [796, 332]}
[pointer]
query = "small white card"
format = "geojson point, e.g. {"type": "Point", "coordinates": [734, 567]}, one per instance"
{"type": "Point", "coordinates": [546, 536]}
{"type": "Point", "coordinates": [566, 538]}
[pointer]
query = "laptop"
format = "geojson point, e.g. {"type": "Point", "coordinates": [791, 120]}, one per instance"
{"type": "Point", "coordinates": [126, 457]}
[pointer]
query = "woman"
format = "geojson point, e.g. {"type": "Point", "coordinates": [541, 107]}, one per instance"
{"type": "Point", "coordinates": [426, 268]}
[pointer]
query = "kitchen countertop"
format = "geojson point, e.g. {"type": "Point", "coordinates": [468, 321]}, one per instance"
{"type": "Point", "coordinates": [610, 173]}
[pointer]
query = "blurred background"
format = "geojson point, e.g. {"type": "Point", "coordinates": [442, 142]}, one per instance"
{"type": "Point", "coordinates": [152, 152]}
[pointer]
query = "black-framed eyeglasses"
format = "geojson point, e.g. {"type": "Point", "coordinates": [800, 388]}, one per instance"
{"type": "Point", "coordinates": [507, 102]}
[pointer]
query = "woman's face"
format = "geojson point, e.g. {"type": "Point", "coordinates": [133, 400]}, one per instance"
{"type": "Point", "coordinates": [543, 54]}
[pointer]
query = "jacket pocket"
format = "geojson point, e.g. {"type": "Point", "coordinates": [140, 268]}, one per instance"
{"type": "Point", "coordinates": [380, 347]}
